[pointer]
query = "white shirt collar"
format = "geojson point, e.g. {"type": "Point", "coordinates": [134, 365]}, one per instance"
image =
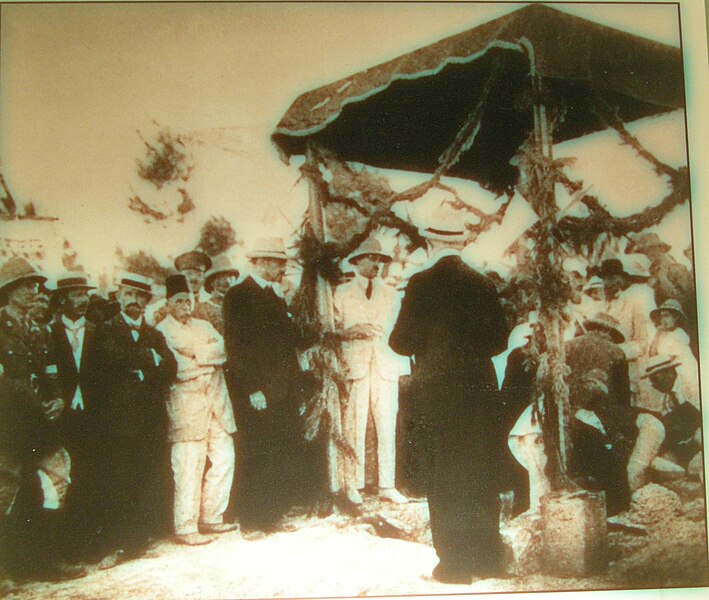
{"type": "Point", "coordinates": [263, 284]}
{"type": "Point", "coordinates": [78, 324]}
{"type": "Point", "coordinates": [133, 323]}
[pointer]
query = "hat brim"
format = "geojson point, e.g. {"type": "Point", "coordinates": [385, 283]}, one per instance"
{"type": "Point", "coordinates": [29, 277]}
{"type": "Point", "coordinates": [655, 314]}
{"type": "Point", "coordinates": [267, 254]}
{"type": "Point", "coordinates": [67, 288]}
{"type": "Point", "coordinates": [378, 255]}
{"type": "Point", "coordinates": [214, 274]}
{"type": "Point", "coordinates": [136, 288]}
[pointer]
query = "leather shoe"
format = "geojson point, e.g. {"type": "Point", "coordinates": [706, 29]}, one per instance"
{"type": "Point", "coordinates": [218, 527]}
{"type": "Point", "coordinates": [193, 539]}
{"type": "Point", "coordinates": [64, 572]}
{"type": "Point", "coordinates": [393, 495]}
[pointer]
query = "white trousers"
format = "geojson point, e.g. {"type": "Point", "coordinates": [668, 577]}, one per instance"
{"type": "Point", "coordinates": [202, 497]}
{"type": "Point", "coordinates": [651, 434]}
{"type": "Point", "coordinates": [381, 396]}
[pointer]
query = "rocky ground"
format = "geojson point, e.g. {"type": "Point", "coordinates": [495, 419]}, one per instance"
{"type": "Point", "coordinates": [660, 542]}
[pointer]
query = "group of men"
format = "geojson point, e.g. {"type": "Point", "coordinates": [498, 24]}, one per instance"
{"type": "Point", "coordinates": [193, 407]}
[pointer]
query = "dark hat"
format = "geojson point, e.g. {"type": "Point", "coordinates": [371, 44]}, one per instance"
{"type": "Point", "coordinates": [193, 260]}
{"type": "Point", "coordinates": [670, 305]}
{"type": "Point", "coordinates": [136, 282]}
{"type": "Point", "coordinates": [610, 267]}
{"type": "Point", "coordinates": [17, 269]}
{"type": "Point", "coordinates": [176, 284]}
{"type": "Point", "coordinates": [659, 363]}
{"type": "Point", "coordinates": [607, 323]}
{"type": "Point", "coordinates": [220, 266]}
{"type": "Point", "coordinates": [73, 281]}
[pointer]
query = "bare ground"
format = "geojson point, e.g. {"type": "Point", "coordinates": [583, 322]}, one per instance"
{"type": "Point", "coordinates": [346, 556]}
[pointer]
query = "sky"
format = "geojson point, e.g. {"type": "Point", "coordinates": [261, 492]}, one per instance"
{"type": "Point", "coordinates": [79, 82]}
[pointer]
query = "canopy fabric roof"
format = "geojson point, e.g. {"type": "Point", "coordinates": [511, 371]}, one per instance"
{"type": "Point", "coordinates": [404, 113]}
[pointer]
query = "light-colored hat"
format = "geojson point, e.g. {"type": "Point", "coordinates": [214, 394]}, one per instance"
{"type": "Point", "coordinates": [595, 283]}
{"type": "Point", "coordinates": [17, 269]}
{"type": "Point", "coordinates": [193, 259]}
{"type": "Point", "coordinates": [646, 241]}
{"type": "Point", "coordinates": [221, 265]}
{"type": "Point", "coordinates": [271, 247]}
{"type": "Point", "coordinates": [136, 282]}
{"type": "Point", "coordinates": [608, 323]}
{"type": "Point", "coordinates": [670, 305]}
{"type": "Point", "coordinates": [73, 281]}
{"type": "Point", "coordinates": [445, 224]}
{"type": "Point", "coordinates": [637, 266]}
{"type": "Point", "coordinates": [572, 264]}
{"type": "Point", "coordinates": [370, 247]}
{"type": "Point", "coordinates": [660, 363]}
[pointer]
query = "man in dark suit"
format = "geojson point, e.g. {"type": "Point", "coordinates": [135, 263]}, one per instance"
{"type": "Point", "coordinates": [135, 369]}
{"type": "Point", "coordinates": [452, 323]}
{"type": "Point", "coordinates": [264, 380]}
{"type": "Point", "coordinates": [72, 338]}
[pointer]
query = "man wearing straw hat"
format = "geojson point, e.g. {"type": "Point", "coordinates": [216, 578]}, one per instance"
{"type": "Point", "coordinates": [200, 421]}
{"type": "Point", "coordinates": [452, 323]}
{"type": "Point", "coordinates": [135, 368]}
{"type": "Point", "coordinates": [264, 381]}
{"type": "Point", "coordinates": [217, 282]}
{"type": "Point", "coordinates": [73, 345]}
{"type": "Point", "coordinates": [365, 310]}
{"type": "Point", "coordinates": [34, 466]}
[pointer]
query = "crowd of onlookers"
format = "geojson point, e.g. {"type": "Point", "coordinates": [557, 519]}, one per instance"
{"type": "Point", "coordinates": [125, 417]}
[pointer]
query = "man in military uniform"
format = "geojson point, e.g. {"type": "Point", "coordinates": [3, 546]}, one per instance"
{"type": "Point", "coordinates": [34, 467]}
{"type": "Point", "coordinates": [135, 369]}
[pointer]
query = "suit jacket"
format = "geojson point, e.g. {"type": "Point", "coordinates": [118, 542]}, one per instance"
{"type": "Point", "coordinates": [261, 345]}
{"type": "Point", "coordinates": [133, 379]}
{"type": "Point", "coordinates": [352, 307]}
{"type": "Point", "coordinates": [199, 394]}
{"type": "Point", "coordinates": [69, 376]}
{"type": "Point", "coordinates": [452, 322]}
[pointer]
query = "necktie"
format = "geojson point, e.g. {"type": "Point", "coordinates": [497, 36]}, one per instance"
{"type": "Point", "coordinates": [368, 293]}
{"type": "Point", "coordinates": [74, 334]}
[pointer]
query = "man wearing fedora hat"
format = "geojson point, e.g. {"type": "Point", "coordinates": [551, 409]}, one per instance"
{"type": "Point", "coordinates": [603, 427]}
{"type": "Point", "coordinates": [200, 420]}
{"type": "Point", "coordinates": [452, 323]}
{"type": "Point", "coordinates": [134, 368]}
{"type": "Point", "coordinates": [365, 311]}
{"type": "Point", "coordinates": [217, 282]}
{"type": "Point", "coordinates": [265, 384]}
{"type": "Point", "coordinates": [73, 346]}
{"type": "Point", "coordinates": [34, 465]}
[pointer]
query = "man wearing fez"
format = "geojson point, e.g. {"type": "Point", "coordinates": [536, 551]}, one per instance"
{"type": "Point", "coordinates": [365, 310]}
{"type": "Point", "coordinates": [200, 420]}
{"type": "Point", "coordinates": [34, 466]}
{"type": "Point", "coordinates": [217, 282]}
{"type": "Point", "coordinates": [265, 385]}
{"type": "Point", "coordinates": [451, 323]}
{"type": "Point", "coordinates": [135, 369]}
{"type": "Point", "coordinates": [73, 345]}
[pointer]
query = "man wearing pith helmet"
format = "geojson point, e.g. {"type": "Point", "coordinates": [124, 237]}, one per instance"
{"type": "Point", "coordinates": [217, 282]}
{"type": "Point", "coordinates": [365, 311]}
{"type": "Point", "coordinates": [136, 369]}
{"type": "Point", "coordinates": [200, 421]}
{"type": "Point", "coordinates": [34, 466]}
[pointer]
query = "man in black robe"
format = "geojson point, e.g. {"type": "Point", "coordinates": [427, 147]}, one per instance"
{"type": "Point", "coordinates": [264, 380]}
{"type": "Point", "coordinates": [452, 323]}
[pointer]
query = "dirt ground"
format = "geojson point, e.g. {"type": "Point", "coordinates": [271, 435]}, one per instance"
{"type": "Point", "coordinates": [356, 556]}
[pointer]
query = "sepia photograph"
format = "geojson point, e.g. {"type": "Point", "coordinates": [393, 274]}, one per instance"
{"type": "Point", "coordinates": [352, 299]}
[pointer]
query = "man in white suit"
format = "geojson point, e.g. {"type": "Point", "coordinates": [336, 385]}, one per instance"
{"type": "Point", "coordinates": [200, 420]}
{"type": "Point", "coordinates": [365, 310]}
